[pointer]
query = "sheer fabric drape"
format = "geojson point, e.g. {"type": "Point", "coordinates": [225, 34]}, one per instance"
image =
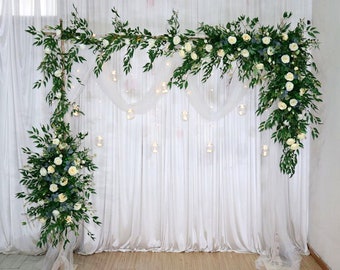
{"type": "Point", "coordinates": [179, 170]}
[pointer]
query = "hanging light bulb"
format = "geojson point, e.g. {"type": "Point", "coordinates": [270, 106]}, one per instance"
{"type": "Point", "coordinates": [154, 147]}
{"type": "Point", "coordinates": [185, 115]}
{"type": "Point", "coordinates": [130, 114]}
{"type": "Point", "coordinates": [265, 150]}
{"type": "Point", "coordinates": [210, 147]}
{"type": "Point", "coordinates": [242, 109]}
{"type": "Point", "coordinates": [164, 88]}
{"type": "Point", "coordinates": [114, 75]}
{"type": "Point", "coordinates": [99, 141]}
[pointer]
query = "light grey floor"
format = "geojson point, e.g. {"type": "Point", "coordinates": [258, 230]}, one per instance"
{"type": "Point", "coordinates": [22, 262]}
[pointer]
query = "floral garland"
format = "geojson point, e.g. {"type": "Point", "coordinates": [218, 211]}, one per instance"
{"type": "Point", "coordinates": [278, 59]}
{"type": "Point", "coordinates": [58, 178]}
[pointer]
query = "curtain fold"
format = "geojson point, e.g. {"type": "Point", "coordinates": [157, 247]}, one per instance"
{"type": "Point", "coordinates": [179, 170]}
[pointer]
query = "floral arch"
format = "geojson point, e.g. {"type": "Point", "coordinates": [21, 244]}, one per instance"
{"type": "Point", "coordinates": [276, 58]}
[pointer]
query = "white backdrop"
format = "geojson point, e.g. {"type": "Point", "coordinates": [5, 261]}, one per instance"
{"type": "Point", "coordinates": [165, 182]}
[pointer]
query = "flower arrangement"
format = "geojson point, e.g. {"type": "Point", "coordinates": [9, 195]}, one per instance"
{"type": "Point", "coordinates": [58, 185]}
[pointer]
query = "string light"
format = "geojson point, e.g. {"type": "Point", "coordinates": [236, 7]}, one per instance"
{"type": "Point", "coordinates": [130, 114]}
{"type": "Point", "coordinates": [99, 141]}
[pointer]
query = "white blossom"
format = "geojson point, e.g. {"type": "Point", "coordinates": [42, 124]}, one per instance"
{"type": "Point", "coordinates": [293, 47]}
{"type": "Point", "coordinates": [289, 86]}
{"type": "Point", "coordinates": [53, 188]}
{"type": "Point", "coordinates": [221, 53]}
{"type": "Point", "coordinates": [266, 40]}
{"type": "Point", "coordinates": [176, 40]}
{"type": "Point", "coordinates": [208, 48]}
{"type": "Point", "coordinates": [285, 59]}
{"type": "Point", "coordinates": [232, 40]}
{"type": "Point", "coordinates": [245, 53]}
{"type": "Point", "coordinates": [289, 76]}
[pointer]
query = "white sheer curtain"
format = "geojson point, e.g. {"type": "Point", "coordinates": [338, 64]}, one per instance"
{"type": "Point", "coordinates": [187, 172]}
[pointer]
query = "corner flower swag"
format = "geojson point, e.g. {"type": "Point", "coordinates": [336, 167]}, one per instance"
{"type": "Point", "coordinates": [278, 59]}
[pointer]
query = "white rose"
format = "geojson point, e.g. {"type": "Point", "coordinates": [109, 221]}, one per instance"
{"type": "Point", "coordinates": [293, 102]}
{"type": "Point", "coordinates": [62, 197]}
{"type": "Point", "coordinates": [293, 47]}
{"type": "Point", "coordinates": [53, 188]}
{"type": "Point", "coordinates": [47, 50]}
{"type": "Point", "coordinates": [57, 32]}
{"type": "Point", "coordinates": [193, 56]}
{"type": "Point", "coordinates": [285, 59]}
{"type": "Point", "coordinates": [284, 36]}
{"type": "Point", "coordinates": [43, 171]}
{"type": "Point", "coordinates": [77, 206]}
{"type": "Point", "coordinates": [266, 40]}
{"type": "Point", "coordinates": [246, 37]}
{"type": "Point", "coordinates": [58, 95]}
{"type": "Point", "coordinates": [58, 161]}
{"type": "Point", "coordinates": [105, 43]}
{"type": "Point", "coordinates": [232, 40]}
{"type": "Point", "coordinates": [208, 48]}
{"type": "Point", "coordinates": [245, 53]}
{"type": "Point", "coordinates": [294, 146]}
{"type": "Point", "coordinates": [221, 53]}
{"type": "Point", "coordinates": [187, 47]}
{"type": "Point", "coordinates": [55, 141]}
{"type": "Point", "coordinates": [63, 181]}
{"type": "Point", "coordinates": [58, 73]}
{"type": "Point", "coordinates": [42, 220]}
{"type": "Point", "coordinates": [230, 57]}
{"type": "Point", "coordinates": [50, 169]}
{"type": "Point", "coordinates": [289, 76]}
{"type": "Point", "coordinates": [181, 53]}
{"type": "Point", "coordinates": [151, 43]}
{"type": "Point", "coordinates": [302, 91]}
{"type": "Point", "coordinates": [301, 136]}
{"type": "Point", "coordinates": [259, 66]}
{"type": "Point", "coordinates": [55, 213]}
{"type": "Point", "coordinates": [176, 40]}
{"type": "Point", "coordinates": [68, 219]}
{"type": "Point", "coordinates": [270, 51]}
{"type": "Point", "coordinates": [290, 141]}
{"type": "Point", "coordinates": [281, 105]}
{"type": "Point", "coordinates": [289, 86]}
{"type": "Point", "coordinates": [72, 171]}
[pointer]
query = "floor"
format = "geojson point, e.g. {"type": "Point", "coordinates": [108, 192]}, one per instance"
{"type": "Point", "coordinates": [150, 261]}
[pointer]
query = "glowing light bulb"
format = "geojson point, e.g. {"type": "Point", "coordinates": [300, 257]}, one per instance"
{"type": "Point", "coordinates": [164, 87]}
{"type": "Point", "coordinates": [242, 109]}
{"type": "Point", "coordinates": [185, 115]}
{"type": "Point", "coordinates": [130, 114]}
{"type": "Point", "coordinates": [154, 147]}
{"type": "Point", "coordinates": [114, 75]}
{"type": "Point", "coordinates": [210, 147]}
{"type": "Point", "coordinates": [99, 141]}
{"type": "Point", "coordinates": [265, 150]}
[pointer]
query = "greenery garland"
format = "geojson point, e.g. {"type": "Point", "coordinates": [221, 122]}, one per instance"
{"type": "Point", "coordinates": [278, 59]}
